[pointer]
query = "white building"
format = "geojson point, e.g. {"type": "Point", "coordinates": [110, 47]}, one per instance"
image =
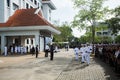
{"type": "Point", "coordinates": [104, 31]}
{"type": "Point", "coordinates": [26, 22]}
{"type": "Point", "coordinates": [8, 7]}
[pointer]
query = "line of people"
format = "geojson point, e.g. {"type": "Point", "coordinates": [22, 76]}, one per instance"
{"type": "Point", "coordinates": [15, 49]}
{"type": "Point", "coordinates": [20, 50]}
{"type": "Point", "coordinates": [110, 54]}
{"type": "Point", "coordinates": [85, 51]}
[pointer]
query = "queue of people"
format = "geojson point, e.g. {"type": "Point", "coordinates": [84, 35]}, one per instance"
{"type": "Point", "coordinates": [20, 50]}
{"type": "Point", "coordinates": [33, 50]}
{"type": "Point", "coordinates": [15, 50]}
{"type": "Point", "coordinates": [109, 54]}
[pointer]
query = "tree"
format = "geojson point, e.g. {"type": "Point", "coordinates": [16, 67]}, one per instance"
{"type": "Point", "coordinates": [89, 12]}
{"type": "Point", "coordinates": [66, 34]}
{"type": "Point", "coordinates": [117, 39]}
{"type": "Point", "coordinates": [114, 23]}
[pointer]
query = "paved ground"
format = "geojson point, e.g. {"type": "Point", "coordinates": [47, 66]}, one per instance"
{"type": "Point", "coordinates": [97, 70]}
{"type": "Point", "coordinates": [63, 67]}
{"type": "Point", "coordinates": [29, 68]}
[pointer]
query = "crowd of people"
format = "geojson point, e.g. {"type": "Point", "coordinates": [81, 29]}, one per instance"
{"type": "Point", "coordinates": [34, 50]}
{"type": "Point", "coordinates": [14, 49]}
{"type": "Point", "coordinates": [110, 54]}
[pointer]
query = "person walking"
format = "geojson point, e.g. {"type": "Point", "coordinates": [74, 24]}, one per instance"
{"type": "Point", "coordinates": [83, 54]}
{"type": "Point", "coordinates": [36, 51]}
{"type": "Point", "coordinates": [76, 50]}
{"type": "Point", "coordinates": [51, 52]}
{"type": "Point", "coordinates": [88, 52]}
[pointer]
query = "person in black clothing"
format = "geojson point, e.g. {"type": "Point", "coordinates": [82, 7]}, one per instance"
{"type": "Point", "coordinates": [96, 51]}
{"type": "Point", "coordinates": [27, 48]}
{"type": "Point", "coordinates": [33, 50]}
{"type": "Point", "coordinates": [51, 52]}
{"type": "Point", "coordinates": [36, 51]}
{"type": "Point", "coordinates": [103, 53]}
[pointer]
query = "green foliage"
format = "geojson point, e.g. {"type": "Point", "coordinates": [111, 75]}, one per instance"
{"type": "Point", "coordinates": [103, 39]}
{"type": "Point", "coordinates": [84, 39]}
{"type": "Point", "coordinates": [66, 34]}
{"type": "Point", "coordinates": [102, 26]}
{"type": "Point", "coordinates": [114, 23]}
{"type": "Point", "coordinates": [117, 39]}
{"type": "Point", "coordinates": [117, 11]}
{"type": "Point", "coordinates": [89, 12]}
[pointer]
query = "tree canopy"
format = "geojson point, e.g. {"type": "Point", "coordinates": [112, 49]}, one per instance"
{"type": "Point", "coordinates": [66, 34]}
{"type": "Point", "coordinates": [114, 23]}
{"type": "Point", "coordinates": [90, 11]}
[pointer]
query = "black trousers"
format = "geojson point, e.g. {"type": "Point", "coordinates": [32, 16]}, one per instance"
{"type": "Point", "coordinates": [36, 55]}
{"type": "Point", "coordinates": [51, 55]}
{"type": "Point", "coordinates": [46, 53]}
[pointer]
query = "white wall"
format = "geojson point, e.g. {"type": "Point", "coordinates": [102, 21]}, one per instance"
{"type": "Point", "coordinates": [46, 13]}
{"type": "Point", "coordinates": [6, 12]}
{"type": "Point", "coordinates": [41, 43]}
{"type": "Point", "coordinates": [2, 11]}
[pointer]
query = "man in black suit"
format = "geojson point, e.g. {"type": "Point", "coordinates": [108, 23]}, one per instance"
{"type": "Point", "coordinates": [36, 51]}
{"type": "Point", "coordinates": [51, 52]}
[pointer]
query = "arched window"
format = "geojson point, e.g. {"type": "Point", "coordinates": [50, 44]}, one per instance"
{"type": "Point", "coordinates": [27, 41]}
{"type": "Point", "coordinates": [27, 5]}
{"type": "Point", "coordinates": [35, 2]}
{"type": "Point", "coordinates": [8, 3]}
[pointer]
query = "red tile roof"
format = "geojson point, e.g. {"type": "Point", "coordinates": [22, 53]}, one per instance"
{"type": "Point", "coordinates": [26, 17]}
{"type": "Point", "coordinates": [2, 24]}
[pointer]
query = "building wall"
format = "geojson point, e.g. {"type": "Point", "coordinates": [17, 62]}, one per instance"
{"type": "Point", "coordinates": [10, 38]}
{"type": "Point", "coordinates": [2, 11]}
{"type": "Point", "coordinates": [41, 43]}
{"type": "Point", "coordinates": [47, 12]}
{"type": "Point", "coordinates": [6, 11]}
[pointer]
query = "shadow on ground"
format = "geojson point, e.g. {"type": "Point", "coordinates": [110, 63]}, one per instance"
{"type": "Point", "coordinates": [77, 65]}
{"type": "Point", "coordinates": [108, 70]}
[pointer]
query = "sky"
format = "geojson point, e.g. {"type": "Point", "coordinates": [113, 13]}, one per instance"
{"type": "Point", "coordinates": [65, 12]}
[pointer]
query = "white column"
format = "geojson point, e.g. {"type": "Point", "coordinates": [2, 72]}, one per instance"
{"type": "Point", "coordinates": [37, 41]}
{"type": "Point", "coordinates": [3, 43]}
{"type": "Point", "coordinates": [29, 41]}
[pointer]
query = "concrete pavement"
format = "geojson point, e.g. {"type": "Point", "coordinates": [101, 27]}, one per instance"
{"type": "Point", "coordinates": [30, 68]}
{"type": "Point", "coordinates": [97, 70]}
{"type": "Point", "coordinates": [63, 67]}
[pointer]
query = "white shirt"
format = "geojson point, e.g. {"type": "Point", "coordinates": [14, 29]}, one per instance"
{"type": "Point", "coordinates": [76, 50]}
{"type": "Point", "coordinates": [47, 47]}
{"type": "Point", "coordinates": [117, 53]}
{"type": "Point", "coordinates": [82, 49]}
{"type": "Point", "coordinates": [5, 51]}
